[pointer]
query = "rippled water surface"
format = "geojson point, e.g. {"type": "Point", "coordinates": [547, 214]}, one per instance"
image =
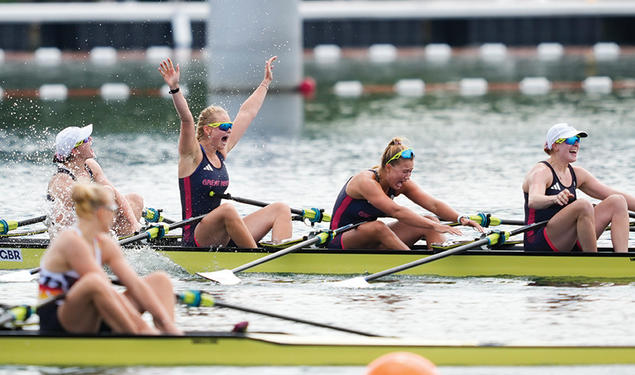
{"type": "Point", "coordinates": [471, 152]}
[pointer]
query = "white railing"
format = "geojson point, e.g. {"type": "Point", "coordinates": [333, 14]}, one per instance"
{"type": "Point", "coordinates": [317, 10]}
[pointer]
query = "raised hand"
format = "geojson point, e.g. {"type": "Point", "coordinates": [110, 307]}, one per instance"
{"type": "Point", "coordinates": [268, 69]}
{"type": "Point", "coordinates": [170, 75]}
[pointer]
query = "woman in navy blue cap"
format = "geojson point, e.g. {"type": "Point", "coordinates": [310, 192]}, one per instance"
{"type": "Point", "coordinates": [550, 194]}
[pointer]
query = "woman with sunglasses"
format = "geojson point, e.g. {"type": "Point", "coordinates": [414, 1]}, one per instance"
{"type": "Point", "coordinates": [72, 270]}
{"type": "Point", "coordinates": [369, 195]}
{"type": "Point", "coordinates": [550, 194]}
{"type": "Point", "coordinates": [203, 176]}
{"type": "Point", "coordinates": [75, 161]}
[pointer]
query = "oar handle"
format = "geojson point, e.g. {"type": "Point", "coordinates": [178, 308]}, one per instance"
{"type": "Point", "coordinates": [198, 298]}
{"type": "Point", "coordinates": [491, 239]}
{"type": "Point", "coordinates": [7, 225]}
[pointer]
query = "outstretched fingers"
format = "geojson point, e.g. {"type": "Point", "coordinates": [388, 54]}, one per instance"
{"type": "Point", "coordinates": [269, 68]}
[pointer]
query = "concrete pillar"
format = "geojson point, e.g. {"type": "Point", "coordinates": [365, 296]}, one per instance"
{"type": "Point", "coordinates": [242, 34]}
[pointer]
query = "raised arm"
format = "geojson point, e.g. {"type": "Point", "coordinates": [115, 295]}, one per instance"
{"type": "Point", "coordinates": [188, 145]}
{"type": "Point", "coordinates": [249, 109]}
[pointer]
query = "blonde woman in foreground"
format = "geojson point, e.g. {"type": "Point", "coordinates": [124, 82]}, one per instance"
{"type": "Point", "coordinates": [73, 266]}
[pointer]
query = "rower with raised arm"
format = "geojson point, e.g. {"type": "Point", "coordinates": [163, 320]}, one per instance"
{"type": "Point", "coordinates": [75, 161]}
{"type": "Point", "coordinates": [72, 267]}
{"type": "Point", "coordinates": [203, 178]}
{"type": "Point", "coordinates": [550, 194]}
{"type": "Point", "coordinates": [369, 195]}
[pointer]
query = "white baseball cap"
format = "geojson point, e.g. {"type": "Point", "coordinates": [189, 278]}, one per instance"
{"type": "Point", "coordinates": [562, 130]}
{"type": "Point", "coordinates": [66, 140]}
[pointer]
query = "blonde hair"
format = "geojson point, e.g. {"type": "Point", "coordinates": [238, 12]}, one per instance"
{"type": "Point", "coordinates": [208, 115]}
{"type": "Point", "coordinates": [394, 146]}
{"type": "Point", "coordinates": [88, 197]}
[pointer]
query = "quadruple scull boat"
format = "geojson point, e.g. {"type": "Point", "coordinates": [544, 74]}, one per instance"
{"type": "Point", "coordinates": [508, 261]}
{"type": "Point", "coordinates": [275, 349]}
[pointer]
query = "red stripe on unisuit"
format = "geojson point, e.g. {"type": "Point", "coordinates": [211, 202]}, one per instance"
{"type": "Point", "coordinates": [188, 201]}
{"type": "Point", "coordinates": [340, 211]}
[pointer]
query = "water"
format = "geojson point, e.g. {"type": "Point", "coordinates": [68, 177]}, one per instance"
{"type": "Point", "coordinates": [471, 152]}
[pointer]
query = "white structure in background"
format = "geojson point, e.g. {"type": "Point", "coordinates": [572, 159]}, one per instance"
{"type": "Point", "coordinates": [114, 91]}
{"type": "Point", "coordinates": [598, 85]}
{"type": "Point", "coordinates": [53, 91]}
{"type": "Point", "coordinates": [1, 55]}
{"type": "Point", "coordinates": [535, 86]}
{"type": "Point", "coordinates": [182, 34]}
{"type": "Point", "coordinates": [382, 53]}
{"type": "Point", "coordinates": [103, 56]}
{"type": "Point", "coordinates": [242, 34]}
{"type": "Point", "coordinates": [493, 52]}
{"type": "Point", "coordinates": [606, 51]}
{"type": "Point", "coordinates": [438, 53]}
{"type": "Point", "coordinates": [410, 87]}
{"type": "Point", "coordinates": [48, 56]}
{"type": "Point", "coordinates": [155, 54]}
{"type": "Point", "coordinates": [473, 87]}
{"type": "Point", "coordinates": [327, 53]}
{"type": "Point", "coordinates": [348, 89]}
{"type": "Point", "coordinates": [550, 51]}
{"type": "Point", "coordinates": [1, 94]}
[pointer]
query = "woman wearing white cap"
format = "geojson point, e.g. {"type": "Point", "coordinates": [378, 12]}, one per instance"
{"type": "Point", "coordinates": [550, 194]}
{"type": "Point", "coordinates": [75, 162]}
{"type": "Point", "coordinates": [203, 178]}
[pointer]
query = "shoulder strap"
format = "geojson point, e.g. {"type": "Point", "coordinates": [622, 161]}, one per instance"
{"type": "Point", "coordinates": [61, 169]}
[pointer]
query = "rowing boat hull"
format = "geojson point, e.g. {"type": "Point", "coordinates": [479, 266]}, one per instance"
{"type": "Point", "coordinates": [512, 262]}
{"type": "Point", "coordinates": [205, 348]}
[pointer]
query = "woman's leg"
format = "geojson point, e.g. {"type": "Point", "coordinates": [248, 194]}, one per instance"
{"type": "Point", "coordinates": [223, 223]}
{"type": "Point", "coordinates": [373, 235]}
{"type": "Point", "coordinates": [410, 235]}
{"type": "Point", "coordinates": [613, 210]}
{"type": "Point", "coordinates": [91, 299]}
{"type": "Point", "coordinates": [275, 217]}
{"type": "Point", "coordinates": [575, 222]}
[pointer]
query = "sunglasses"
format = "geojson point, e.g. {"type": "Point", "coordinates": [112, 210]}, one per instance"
{"type": "Point", "coordinates": [224, 126]}
{"type": "Point", "coordinates": [82, 142]}
{"type": "Point", "coordinates": [111, 207]}
{"type": "Point", "coordinates": [570, 141]}
{"type": "Point", "coordinates": [405, 153]}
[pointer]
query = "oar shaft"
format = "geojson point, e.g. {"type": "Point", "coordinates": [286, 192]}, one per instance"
{"type": "Point", "coordinates": [446, 253]}
{"type": "Point", "coordinates": [255, 202]}
{"type": "Point", "coordinates": [298, 320]}
{"type": "Point", "coordinates": [277, 254]}
{"type": "Point", "coordinates": [145, 234]}
{"type": "Point", "coordinates": [34, 220]}
{"type": "Point", "coordinates": [317, 238]}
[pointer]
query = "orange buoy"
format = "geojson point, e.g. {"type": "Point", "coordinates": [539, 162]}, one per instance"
{"type": "Point", "coordinates": [401, 363]}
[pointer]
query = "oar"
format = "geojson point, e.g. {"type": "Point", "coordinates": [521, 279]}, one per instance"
{"type": "Point", "coordinates": [157, 231]}
{"type": "Point", "coordinates": [228, 277]}
{"type": "Point", "coordinates": [197, 298]}
{"type": "Point", "coordinates": [153, 215]}
{"type": "Point", "coordinates": [7, 225]}
{"type": "Point", "coordinates": [20, 313]}
{"type": "Point", "coordinates": [486, 220]}
{"type": "Point", "coordinates": [491, 239]}
{"type": "Point", "coordinates": [314, 215]}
